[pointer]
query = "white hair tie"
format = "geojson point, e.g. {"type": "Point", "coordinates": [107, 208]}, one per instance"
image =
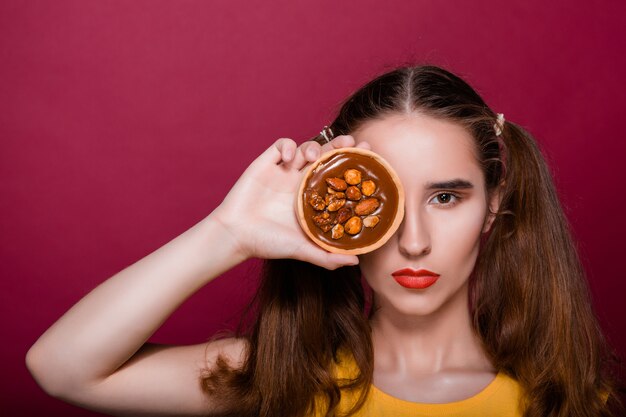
{"type": "Point", "coordinates": [499, 124]}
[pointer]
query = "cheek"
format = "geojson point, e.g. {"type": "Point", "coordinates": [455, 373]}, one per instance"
{"type": "Point", "coordinates": [458, 231]}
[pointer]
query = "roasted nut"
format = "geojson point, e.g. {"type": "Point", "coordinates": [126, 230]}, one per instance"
{"type": "Point", "coordinates": [352, 176]}
{"type": "Point", "coordinates": [335, 196]}
{"type": "Point", "coordinates": [353, 225]}
{"type": "Point", "coordinates": [368, 187]}
{"type": "Point", "coordinates": [337, 232]}
{"type": "Point", "coordinates": [353, 193]}
{"type": "Point", "coordinates": [336, 203]}
{"type": "Point", "coordinates": [323, 221]}
{"type": "Point", "coordinates": [328, 198]}
{"type": "Point", "coordinates": [337, 183]}
{"type": "Point", "coordinates": [317, 201]}
{"type": "Point", "coordinates": [366, 206]}
{"type": "Point", "coordinates": [371, 221]}
{"type": "Point", "coordinates": [343, 215]}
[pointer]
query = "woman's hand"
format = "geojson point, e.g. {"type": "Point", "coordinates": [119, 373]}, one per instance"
{"type": "Point", "coordinates": [259, 211]}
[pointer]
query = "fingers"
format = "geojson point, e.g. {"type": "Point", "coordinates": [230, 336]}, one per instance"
{"type": "Point", "coordinates": [292, 156]}
{"type": "Point", "coordinates": [310, 151]}
{"type": "Point", "coordinates": [342, 141]}
{"type": "Point", "coordinates": [287, 149]}
{"type": "Point", "coordinates": [282, 149]}
{"type": "Point", "coordinates": [307, 152]}
{"type": "Point", "coordinates": [325, 259]}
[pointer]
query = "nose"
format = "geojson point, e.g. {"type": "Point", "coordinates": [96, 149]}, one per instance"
{"type": "Point", "coordinates": [413, 234]}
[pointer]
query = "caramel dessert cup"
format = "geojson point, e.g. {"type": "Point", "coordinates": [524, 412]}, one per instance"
{"type": "Point", "coordinates": [350, 201]}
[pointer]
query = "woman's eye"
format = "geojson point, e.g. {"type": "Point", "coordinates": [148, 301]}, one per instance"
{"type": "Point", "coordinates": [446, 199]}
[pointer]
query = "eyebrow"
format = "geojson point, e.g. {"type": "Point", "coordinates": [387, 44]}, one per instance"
{"type": "Point", "coordinates": [455, 184]}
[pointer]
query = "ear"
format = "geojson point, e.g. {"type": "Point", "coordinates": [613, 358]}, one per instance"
{"type": "Point", "coordinates": [493, 204]}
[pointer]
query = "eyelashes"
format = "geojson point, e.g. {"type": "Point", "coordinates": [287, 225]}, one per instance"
{"type": "Point", "coordinates": [447, 199]}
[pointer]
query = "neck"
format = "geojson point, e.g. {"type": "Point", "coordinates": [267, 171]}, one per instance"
{"type": "Point", "coordinates": [426, 344]}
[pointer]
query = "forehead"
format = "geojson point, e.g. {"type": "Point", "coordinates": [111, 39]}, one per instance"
{"type": "Point", "coordinates": [423, 149]}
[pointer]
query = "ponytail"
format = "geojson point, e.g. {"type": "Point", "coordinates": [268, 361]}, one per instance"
{"type": "Point", "coordinates": [532, 306]}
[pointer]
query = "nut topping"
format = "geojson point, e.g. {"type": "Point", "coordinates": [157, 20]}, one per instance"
{"type": "Point", "coordinates": [337, 232]}
{"type": "Point", "coordinates": [368, 187]}
{"type": "Point", "coordinates": [366, 206]}
{"type": "Point", "coordinates": [354, 225]}
{"type": "Point", "coordinates": [371, 221]}
{"type": "Point", "coordinates": [343, 214]}
{"type": "Point", "coordinates": [317, 201]}
{"type": "Point", "coordinates": [346, 205]}
{"type": "Point", "coordinates": [337, 183]}
{"type": "Point", "coordinates": [334, 196]}
{"type": "Point", "coordinates": [323, 221]}
{"type": "Point", "coordinates": [353, 193]}
{"type": "Point", "coordinates": [352, 176]}
{"type": "Point", "coordinates": [336, 203]}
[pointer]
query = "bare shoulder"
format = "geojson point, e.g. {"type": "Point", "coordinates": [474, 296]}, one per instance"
{"type": "Point", "coordinates": [160, 380]}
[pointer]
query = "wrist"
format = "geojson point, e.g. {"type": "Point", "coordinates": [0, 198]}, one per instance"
{"type": "Point", "coordinates": [217, 229]}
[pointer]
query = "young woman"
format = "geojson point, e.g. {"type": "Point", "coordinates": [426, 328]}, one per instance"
{"type": "Point", "coordinates": [506, 329]}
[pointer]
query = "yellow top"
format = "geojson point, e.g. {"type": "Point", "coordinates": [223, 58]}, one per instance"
{"type": "Point", "coordinates": [500, 398]}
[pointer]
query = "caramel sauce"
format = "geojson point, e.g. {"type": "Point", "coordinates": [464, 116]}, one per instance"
{"type": "Point", "coordinates": [386, 193]}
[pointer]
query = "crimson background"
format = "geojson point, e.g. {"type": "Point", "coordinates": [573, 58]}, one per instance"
{"type": "Point", "coordinates": [123, 123]}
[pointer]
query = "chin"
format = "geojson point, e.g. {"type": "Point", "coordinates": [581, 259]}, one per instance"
{"type": "Point", "coordinates": [413, 304]}
{"type": "Point", "coordinates": [422, 303]}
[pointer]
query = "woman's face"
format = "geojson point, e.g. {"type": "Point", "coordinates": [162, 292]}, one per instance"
{"type": "Point", "coordinates": [442, 223]}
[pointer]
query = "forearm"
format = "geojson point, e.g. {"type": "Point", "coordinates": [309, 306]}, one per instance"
{"type": "Point", "coordinates": [105, 328]}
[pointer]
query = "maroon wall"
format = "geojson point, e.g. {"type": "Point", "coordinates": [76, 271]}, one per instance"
{"type": "Point", "coordinates": [123, 123]}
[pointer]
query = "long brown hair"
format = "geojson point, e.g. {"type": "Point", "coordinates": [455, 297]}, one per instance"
{"type": "Point", "coordinates": [528, 294]}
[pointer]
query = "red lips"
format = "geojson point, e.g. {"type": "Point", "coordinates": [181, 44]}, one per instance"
{"type": "Point", "coordinates": [410, 278]}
